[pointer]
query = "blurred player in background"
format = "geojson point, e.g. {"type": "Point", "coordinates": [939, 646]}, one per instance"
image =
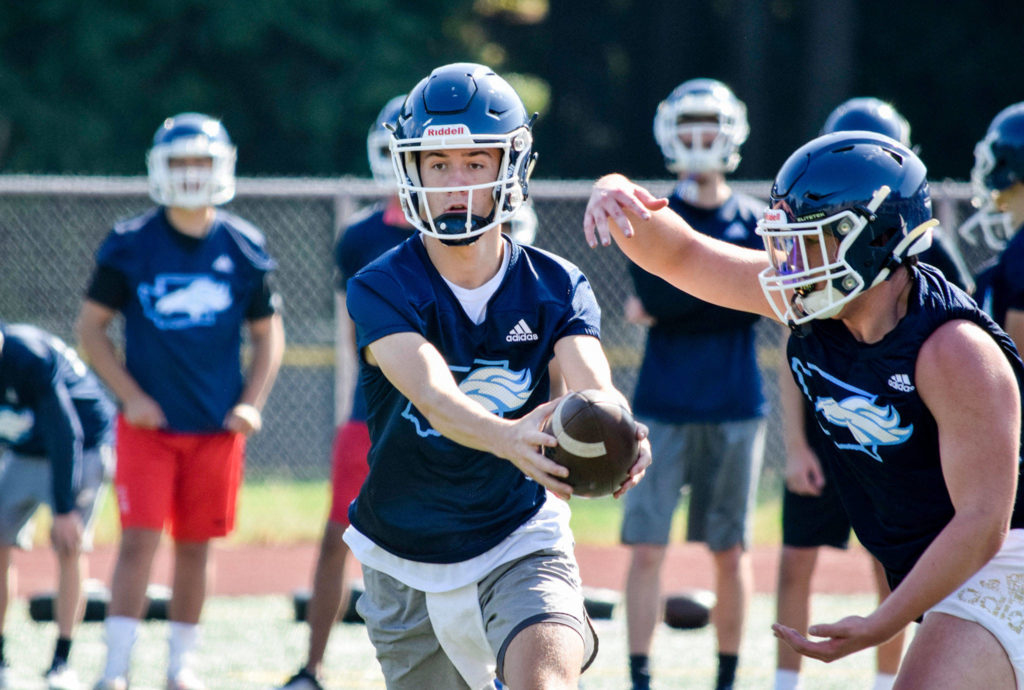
{"type": "Point", "coordinates": [699, 386]}
{"type": "Point", "coordinates": [812, 514]}
{"type": "Point", "coordinates": [57, 424]}
{"type": "Point", "coordinates": [366, 237]}
{"type": "Point", "coordinates": [998, 177]}
{"type": "Point", "coordinates": [917, 391]}
{"type": "Point", "coordinates": [188, 279]}
{"type": "Point", "coordinates": [468, 564]}
{"type": "Point", "coordinates": [997, 160]}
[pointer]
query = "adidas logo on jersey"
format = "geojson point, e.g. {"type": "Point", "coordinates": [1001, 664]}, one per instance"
{"type": "Point", "coordinates": [901, 382]}
{"type": "Point", "coordinates": [521, 333]}
{"type": "Point", "coordinates": [223, 264]}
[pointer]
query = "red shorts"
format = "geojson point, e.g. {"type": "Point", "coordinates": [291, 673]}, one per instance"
{"type": "Point", "coordinates": [348, 468]}
{"type": "Point", "coordinates": [186, 482]}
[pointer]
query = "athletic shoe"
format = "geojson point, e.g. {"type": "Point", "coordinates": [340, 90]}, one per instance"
{"type": "Point", "coordinates": [303, 680]}
{"type": "Point", "coordinates": [61, 677]}
{"type": "Point", "coordinates": [185, 680]}
{"type": "Point", "coordinates": [111, 684]}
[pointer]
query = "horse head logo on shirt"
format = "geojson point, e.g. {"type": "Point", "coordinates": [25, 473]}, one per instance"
{"type": "Point", "coordinates": [872, 425]}
{"type": "Point", "coordinates": [492, 384]}
{"type": "Point", "coordinates": [183, 301]}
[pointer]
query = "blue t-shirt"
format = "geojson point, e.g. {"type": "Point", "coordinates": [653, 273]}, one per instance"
{"type": "Point", "coordinates": [185, 302]}
{"type": "Point", "coordinates": [363, 240]}
{"type": "Point", "coordinates": [881, 441]}
{"type": "Point", "coordinates": [52, 406]}
{"type": "Point", "coordinates": [700, 361]}
{"type": "Point", "coordinates": [427, 498]}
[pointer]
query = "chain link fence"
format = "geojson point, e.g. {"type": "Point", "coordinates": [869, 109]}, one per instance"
{"type": "Point", "coordinates": [50, 228]}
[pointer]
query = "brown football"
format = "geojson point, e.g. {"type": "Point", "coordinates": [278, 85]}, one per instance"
{"type": "Point", "coordinates": [596, 440]}
{"type": "Point", "coordinates": [689, 609]}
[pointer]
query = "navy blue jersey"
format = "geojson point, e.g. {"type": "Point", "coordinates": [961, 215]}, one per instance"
{"type": "Point", "coordinates": [1006, 280]}
{"type": "Point", "coordinates": [700, 361]}
{"type": "Point", "coordinates": [184, 301]}
{"type": "Point", "coordinates": [881, 440]}
{"type": "Point", "coordinates": [362, 241]}
{"type": "Point", "coordinates": [427, 498]}
{"type": "Point", "coordinates": [52, 407]}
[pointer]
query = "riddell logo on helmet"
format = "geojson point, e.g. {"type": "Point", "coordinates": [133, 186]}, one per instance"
{"type": "Point", "coordinates": [446, 131]}
{"type": "Point", "coordinates": [774, 215]}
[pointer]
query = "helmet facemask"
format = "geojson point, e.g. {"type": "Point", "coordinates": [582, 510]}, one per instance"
{"type": "Point", "coordinates": [994, 226]}
{"type": "Point", "coordinates": [508, 191]}
{"type": "Point", "coordinates": [191, 186]}
{"type": "Point", "coordinates": [693, 115]}
{"type": "Point", "coordinates": [819, 266]}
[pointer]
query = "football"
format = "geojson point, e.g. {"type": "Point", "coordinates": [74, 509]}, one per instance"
{"type": "Point", "coordinates": [596, 440]}
{"type": "Point", "coordinates": [689, 609]}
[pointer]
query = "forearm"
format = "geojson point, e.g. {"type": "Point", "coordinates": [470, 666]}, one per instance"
{"type": "Point", "coordinates": [103, 359]}
{"type": "Point", "coordinates": [960, 550]}
{"type": "Point", "coordinates": [267, 338]}
{"type": "Point", "coordinates": [665, 245]}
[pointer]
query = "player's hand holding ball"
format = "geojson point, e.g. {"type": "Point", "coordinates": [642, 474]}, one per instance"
{"type": "Point", "coordinates": [604, 448]}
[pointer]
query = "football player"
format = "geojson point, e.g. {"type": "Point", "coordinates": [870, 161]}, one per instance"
{"type": "Point", "coordinates": [466, 550]}
{"type": "Point", "coordinates": [915, 389]}
{"type": "Point", "coordinates": [998, 177]}
{"type": "Point", "coordinates": [188, 278]}
{"type": "Point", "coordinates": [699, 386]}
{"type": "Point", "coordinates": [367, 236]}
{"type": "Point", "coordinates": [812, 514]}
{"type": "Point", "coordinates": [56, 423]}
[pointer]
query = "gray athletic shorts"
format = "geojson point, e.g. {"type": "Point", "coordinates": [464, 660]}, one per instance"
{"type": "Point", "coordinates": [27, 482]}
{"type": "Point", "coordinates": [542, 587]}
{"type": "Point", "coordinates": [720, 463]}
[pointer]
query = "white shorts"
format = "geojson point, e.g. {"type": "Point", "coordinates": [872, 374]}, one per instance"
{"type": "Point", "coordinates": [994, 598]}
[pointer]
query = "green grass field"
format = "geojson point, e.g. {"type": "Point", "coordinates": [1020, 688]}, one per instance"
{"type": "Point", "coordinates": [280, 512]}
{"type": "Point", "coordinates": [253, 643]}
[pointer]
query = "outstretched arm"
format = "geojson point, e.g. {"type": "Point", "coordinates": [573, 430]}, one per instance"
{"type": "Point", "coordinates": [660, 242]}
{"type": "Point", "coordinates": [418, 370]}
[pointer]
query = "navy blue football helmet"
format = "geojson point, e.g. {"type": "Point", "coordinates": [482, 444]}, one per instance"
{"type": "Point", "coordinates": [871, 115]}
{"type": "Point", "coordinates": [998, 164]}
{"type": "Point", "coordinates": [460, 106]}
{"type": "Point", "coordinates": [191, 135]}
{"type": "Point", "coordinates": [696, 107]}
{"type": "Point", "coordinates": [378, 142]}
{"type": "Point", "coordinates": [845, 210]}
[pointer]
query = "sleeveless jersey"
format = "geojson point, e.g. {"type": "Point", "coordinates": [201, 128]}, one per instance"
{"type": "Point", "coordinates": [700, 360]}
{"type": "Point", "coordinates": [881, 441]}
{"type": "Point", "coordinates": [427, 498]}
{"type": "Point", "coordinates": [187, 301]}
{"type": "Point", "coordinates": [52, 405]}
{"type": "Point", "coordinates": [363, 240]}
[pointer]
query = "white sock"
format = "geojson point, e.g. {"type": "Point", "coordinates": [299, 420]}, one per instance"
{"type": "Point", "coordinates": [786, 679]}
{"type": "Point", "coordinates": [884, 681]}
{"type": "Point", "coordinates": [181, 642]}
{"type": "Point", "coordinates": [120, 632]}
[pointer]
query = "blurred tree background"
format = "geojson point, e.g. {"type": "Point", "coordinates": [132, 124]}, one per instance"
{"type": "Point", "coordinates": [85, 83]}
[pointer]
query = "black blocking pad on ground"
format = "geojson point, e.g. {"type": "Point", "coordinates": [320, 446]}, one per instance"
{"type": "Point", "coordinates": [42, 606]}
{"type": "Point", "coordinates": [600, 603]}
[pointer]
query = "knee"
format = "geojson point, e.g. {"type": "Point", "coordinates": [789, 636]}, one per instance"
{"type": "Point", "coordinates": [647, 557]}
{"type": "Point", "coordinates": [796, 566]}
{"type": "Point", "coordinates": [729, 562]}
